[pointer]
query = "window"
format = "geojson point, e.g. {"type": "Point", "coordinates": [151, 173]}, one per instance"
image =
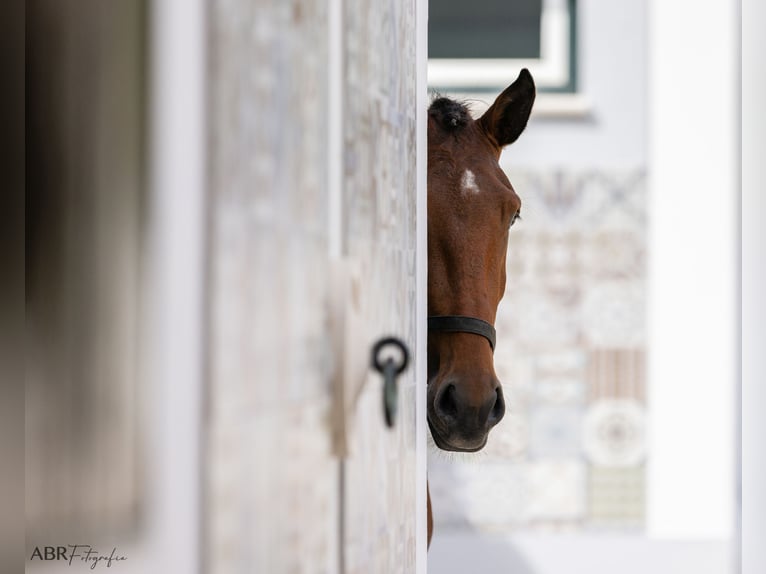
{"type": "Point", "coordinates": [476, 47]}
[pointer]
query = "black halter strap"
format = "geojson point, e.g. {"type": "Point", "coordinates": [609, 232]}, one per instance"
{"type": "Point", "coordinates": [461, 324]}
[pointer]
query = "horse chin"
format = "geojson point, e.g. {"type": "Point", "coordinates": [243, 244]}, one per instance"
{"type": "Point", "coordinates": [450, 445]}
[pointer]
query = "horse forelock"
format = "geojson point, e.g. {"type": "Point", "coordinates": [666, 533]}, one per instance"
{"type": "Point", "coordinates": [450, 114]}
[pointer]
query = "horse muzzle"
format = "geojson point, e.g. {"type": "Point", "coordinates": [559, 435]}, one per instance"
{"type": "Point", "coordinates": [461, 413]}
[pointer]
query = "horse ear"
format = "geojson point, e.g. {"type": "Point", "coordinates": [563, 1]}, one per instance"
{"type": "Point", "coordinates": [507, 117]}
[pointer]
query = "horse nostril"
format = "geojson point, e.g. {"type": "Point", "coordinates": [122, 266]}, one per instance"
{"type": "Point", "coordinates": [446, 404]}
{"type": "Point", "coordinates": [498, 409]}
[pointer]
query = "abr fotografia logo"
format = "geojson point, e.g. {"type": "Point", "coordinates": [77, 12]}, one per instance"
{"type": "Point", "coordinates": [77, 553]}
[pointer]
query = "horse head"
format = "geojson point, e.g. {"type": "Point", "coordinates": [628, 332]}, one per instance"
{"type": "Point", "coordinates": [471, 208]}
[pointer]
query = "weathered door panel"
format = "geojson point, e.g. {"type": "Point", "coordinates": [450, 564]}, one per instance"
{"type": "Point", "coordinates": [271, 495]}
{"type": "Point", "coordinates": [278, 498]}
{"type": "Point", "coordinates": [379, 235]}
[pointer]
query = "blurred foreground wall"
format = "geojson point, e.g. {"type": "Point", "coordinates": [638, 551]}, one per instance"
{"type": "Point", "coordinates": [221, 223]}
{"type": "Point", "coordinates": [85, 191]}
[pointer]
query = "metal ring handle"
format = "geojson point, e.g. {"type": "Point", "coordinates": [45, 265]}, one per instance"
{"type": "Point", "coordinates": [394, 342]}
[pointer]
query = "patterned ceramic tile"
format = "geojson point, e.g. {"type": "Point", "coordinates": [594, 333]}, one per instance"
{"type": "Point", "coordinates": [510, 440]}
{"type": "Point", "coordinates": [614, 254]}
{"type": "Point", "coordinates": [614, 433]}
{"type": "Point", "coordinates": [554, 432]}
{"type": "Point", "coordinates": [559, 378]}
{"type": "Point", "coordinates": [560, 390]}
{"type": "Point", "coordinates": [484, 495]}
{"type": "Point", "coordinates": [613, 314]}
{"type": "Point", "coordinates": [617, 373]}
{"type": "Point", "coordinates": [616, 497]}
{"type": "Point", "coordinates": [540, 321]}
{"type": "Point", "coordinates": [555, 490]}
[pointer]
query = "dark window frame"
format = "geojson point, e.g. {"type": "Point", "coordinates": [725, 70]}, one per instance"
{"type": "Point", "coordinates": [554, 72]}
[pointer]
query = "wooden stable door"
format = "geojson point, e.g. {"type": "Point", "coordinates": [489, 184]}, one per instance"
{"type": "Point", "coordinates": [316, 251]}
{"type": "Point", "coordinates": [382, 481]}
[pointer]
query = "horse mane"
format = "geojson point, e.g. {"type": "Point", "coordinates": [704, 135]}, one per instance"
{"type": "Point", "coordinates": [450, 114]}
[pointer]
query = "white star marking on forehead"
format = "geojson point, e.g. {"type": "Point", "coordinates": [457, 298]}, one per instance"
{"type": "Point", "coordinates": [468, 182]}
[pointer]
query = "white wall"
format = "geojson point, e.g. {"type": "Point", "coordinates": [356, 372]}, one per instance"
{"type": "Point", "coordinates": [612, 79]}
{"type": "Point", "coordinates": [753, 287]}
{"type": "Point", "coordinates": [693, 91]}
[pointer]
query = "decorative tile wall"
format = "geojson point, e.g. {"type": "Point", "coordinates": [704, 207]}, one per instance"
{"type": "Point", "coordinates": [571, 451]}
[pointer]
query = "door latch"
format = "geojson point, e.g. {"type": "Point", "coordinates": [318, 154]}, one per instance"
{"type": "Point", "coordinates": [390, 367]}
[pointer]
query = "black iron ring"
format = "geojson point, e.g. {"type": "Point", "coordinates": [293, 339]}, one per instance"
{"type": "Point", "coordinates": [385, 342]}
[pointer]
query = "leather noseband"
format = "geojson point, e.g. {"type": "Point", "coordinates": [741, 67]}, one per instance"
{"type": "Point", "coordinates": [462, 324]}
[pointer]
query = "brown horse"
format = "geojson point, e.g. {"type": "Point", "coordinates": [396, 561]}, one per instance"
{"type": "Point", "coordinates": [471, 208]}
